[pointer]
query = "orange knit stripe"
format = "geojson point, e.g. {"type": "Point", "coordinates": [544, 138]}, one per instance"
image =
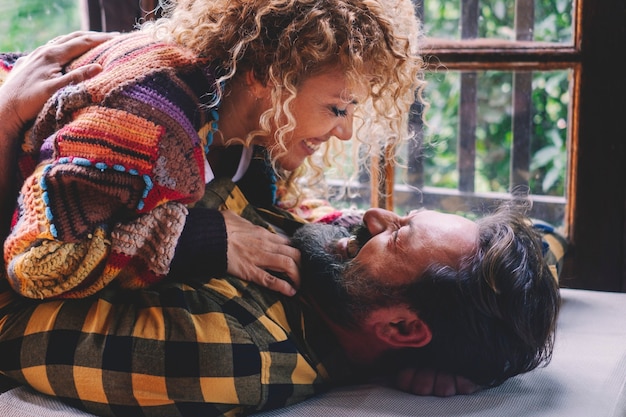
{"type": "Point", "coordinates": [33, 223]}
{"type": "Point", "coordinates": [111, 136]}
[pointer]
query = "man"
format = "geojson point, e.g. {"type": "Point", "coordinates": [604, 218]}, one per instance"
{"type": "Point", "coordinates": [424, 290]}
{"type": "Point", "coordinates": [477, 298]}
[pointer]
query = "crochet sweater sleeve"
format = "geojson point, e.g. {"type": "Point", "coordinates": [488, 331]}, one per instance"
{"type": "Point", "coordinates": [120, 160]}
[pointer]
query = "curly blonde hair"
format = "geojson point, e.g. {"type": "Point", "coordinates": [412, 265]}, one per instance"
{"type": "Point", "coordinates": [286, 41]}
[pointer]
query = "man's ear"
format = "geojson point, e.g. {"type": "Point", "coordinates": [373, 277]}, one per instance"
{"type": "Point", "coordinates": [400, 327]}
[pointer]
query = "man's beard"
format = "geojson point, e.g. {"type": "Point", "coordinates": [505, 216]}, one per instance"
{"type": "Point", "coordinates": [323, 271]}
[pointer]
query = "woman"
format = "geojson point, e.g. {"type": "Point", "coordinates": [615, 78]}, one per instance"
{"type": "Point", "coordinates": [246, 90]}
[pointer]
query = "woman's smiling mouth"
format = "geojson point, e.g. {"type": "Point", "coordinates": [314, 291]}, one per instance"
{"type": "Point", "coordinates": [311, 146]}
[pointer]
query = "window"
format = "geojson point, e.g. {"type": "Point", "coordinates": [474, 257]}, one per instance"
{"type": "Point", "coordinates": [26, 24]}
{"type": "Point", "coordinates": [498, 119]}
{"type": "Point", "coordinates": [546, 61]}
{"type": "Point", "coordinates": [521, 98]}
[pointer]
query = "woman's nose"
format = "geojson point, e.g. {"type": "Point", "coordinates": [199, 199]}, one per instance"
{"type": "Point", "coordinates": [378, 220]}
{"type": "Point", "coordinates": [343, 129]}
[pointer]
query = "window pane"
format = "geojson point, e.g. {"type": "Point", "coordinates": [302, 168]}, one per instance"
{"type": "Point", "coordinates": [26, 24]}
{"type": "Point", "coordinates": [540, 20]}
{"type": "Point", "coordinates": [487, 139]}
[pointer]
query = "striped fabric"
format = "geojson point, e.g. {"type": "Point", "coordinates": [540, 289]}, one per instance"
{"type": "Point", "coordinates": [554, 246]}
{"type": "Point", "coordinates": [120, 159]}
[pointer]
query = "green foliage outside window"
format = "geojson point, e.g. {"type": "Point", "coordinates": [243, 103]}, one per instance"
{"type": "Point", "coordinates": [553, 19]}
{"type": "Point", "coordinates": [550, 101]}
{"type": "Point", "coordinates": [26, 24]}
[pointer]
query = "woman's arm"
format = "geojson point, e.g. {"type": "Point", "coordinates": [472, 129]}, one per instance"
{"type": "Point", "coordinates": [117, 165]}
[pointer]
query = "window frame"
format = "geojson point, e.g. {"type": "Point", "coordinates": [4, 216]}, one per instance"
{"type": "Point", "coordinates": [595, 222]}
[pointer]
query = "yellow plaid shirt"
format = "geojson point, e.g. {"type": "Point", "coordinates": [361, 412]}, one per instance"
{"type": "Point", "coordinates": [214, 347]}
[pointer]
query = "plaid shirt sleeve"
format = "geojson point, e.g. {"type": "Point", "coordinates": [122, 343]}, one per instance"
{"type": "Point", "coordinates": [216, 348]}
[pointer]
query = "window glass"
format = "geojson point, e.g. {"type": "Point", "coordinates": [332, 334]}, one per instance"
{"type": "Point", "coordinates": [26, 24]}
{"type": "Point", "coordinates": [477, 138]}
{"type": "Point", "coordinates": [462, 160]}
{"type": "Point", "coordinates": [552, 19]}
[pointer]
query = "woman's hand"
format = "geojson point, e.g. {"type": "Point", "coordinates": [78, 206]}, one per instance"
{"type": "Point", "coordinates": [38, 75]}
{"type": "Point", "coordinates": [432, 382]}
{"type": "Point", "coordinates": [253, 251]}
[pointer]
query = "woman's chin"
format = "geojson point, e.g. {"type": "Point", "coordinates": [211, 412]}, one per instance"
{"type": "Point", "coordinates": [290, 163]}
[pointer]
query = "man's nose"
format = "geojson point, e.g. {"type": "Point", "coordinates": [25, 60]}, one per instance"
{"type": "Point", "coordinates": [378, 220]}
{"type": "Point", "coordinates": [343, 128]}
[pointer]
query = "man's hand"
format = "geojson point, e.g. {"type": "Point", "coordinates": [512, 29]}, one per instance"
{"type": "Point", "coordinates": [431, 382]}
{"type": "Point", "coordinates": [38, 75]}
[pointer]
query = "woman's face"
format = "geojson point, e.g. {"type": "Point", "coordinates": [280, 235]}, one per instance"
{"type": "Point", "coordinates": [323, 107]}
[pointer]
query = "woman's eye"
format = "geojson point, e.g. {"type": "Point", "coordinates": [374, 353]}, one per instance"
{"type": "Point", "coordinates": [339, 112]}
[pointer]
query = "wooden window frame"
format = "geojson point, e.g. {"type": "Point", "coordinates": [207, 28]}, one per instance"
{"type": "Point", "coordinates": [116, 15]}
{"type": "Point", "coordinates": [596, 190]}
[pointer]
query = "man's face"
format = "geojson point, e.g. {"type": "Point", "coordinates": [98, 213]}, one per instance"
{"type": "Point", "coordinates": [403, 247]}
{"type": "Point", "coordinates": [346, 272]}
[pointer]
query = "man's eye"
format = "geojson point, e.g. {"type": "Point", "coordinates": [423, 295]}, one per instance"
{"type": "Point", "coordinates": [396, 234]}
{"type": "Point", "coordinates": [339, 112]}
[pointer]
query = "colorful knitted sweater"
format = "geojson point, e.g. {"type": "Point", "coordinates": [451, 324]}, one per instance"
{"type": "Point", "coordinates": [117, 160]}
